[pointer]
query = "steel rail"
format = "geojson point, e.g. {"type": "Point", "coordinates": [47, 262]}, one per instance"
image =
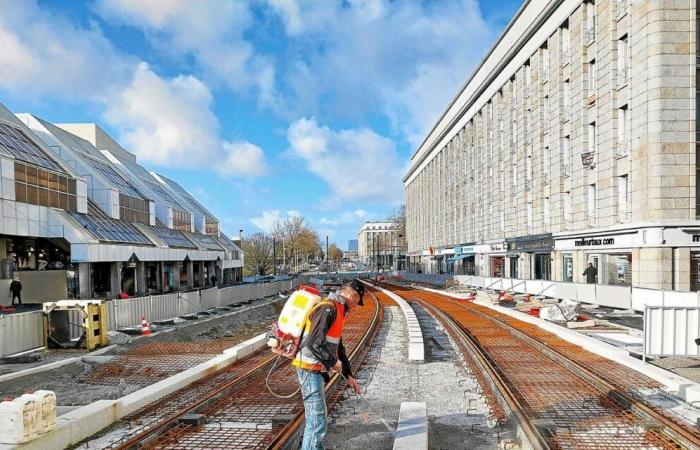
{"type": "Point", "coordinates": [172, 420]}
{"type": "Point", "coordinates": [675, 431]}
{"type": "Point", "coordinates": [288, 432]}
{"type": "Point", "coordinates": [535, 438]}
{"type": "Point", "coordinates": [652, 420]}
{"type": "Point", "coordinates": [165, 427]}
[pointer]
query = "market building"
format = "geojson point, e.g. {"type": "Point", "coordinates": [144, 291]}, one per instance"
{"type": "Point", "coordinates": [77, 223]}
{"type": "Point", "coordinates": [573, 142]}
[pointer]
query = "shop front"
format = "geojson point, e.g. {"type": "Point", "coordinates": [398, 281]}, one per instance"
{"type": "Point", "coordinates": [603, 258]}
{"type": "Point", "coordinates": [534, 256]}
{"type": "Point", "coordinates": [463, 260]}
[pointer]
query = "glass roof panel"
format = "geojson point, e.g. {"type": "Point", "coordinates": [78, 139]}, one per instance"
{"type": "Point", "coordinates": [106, 229]}
{"type": "Point", "coordinates": [116, 179]}
{"type": "Point", "coordinates": [21, 147]}
{"type": "Point", "coordinates": [172, 238]}
{"type": "Point", "coordinates": [205, 241]}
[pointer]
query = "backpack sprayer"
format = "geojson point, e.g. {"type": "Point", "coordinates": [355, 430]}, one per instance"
{"type": "Point", "coordinates": [285, 338]}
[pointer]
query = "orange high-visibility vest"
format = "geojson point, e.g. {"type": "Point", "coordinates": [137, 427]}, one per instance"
{"type": "Point", "coordinates": [304, 359]}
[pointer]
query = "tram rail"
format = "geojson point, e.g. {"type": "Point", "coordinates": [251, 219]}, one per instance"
{"type": "Point", "coordinates": [233, 409]}
{"type": "Point", "coordinates": [561, 395]}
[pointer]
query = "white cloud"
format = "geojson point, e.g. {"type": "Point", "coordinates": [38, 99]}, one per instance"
{"type": "Point", "coordinates": [345, 218]}
{"type": "Point", "coordinates": [357, 164]}
{"type": "Point", "coordinates": [243, 158]}
{"type": "Point", "coordinates": [170, 122]}
{"type": "Point", "coordinates": [167, 121]}
{"type": "Point", "coordinates": [212, 33]}
{"type": "Point", "coordinates": [46, 55]}
{"type": "Point", "coordinates": [405, 59]}
{"type": "Point", "coordinates": [267, 219]}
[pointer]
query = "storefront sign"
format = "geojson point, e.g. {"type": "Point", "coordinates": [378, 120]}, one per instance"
{"type": "Point", "coordinates": [502, 247]}
{"type": "Point", "coordinates": [464, 250]}
{"type": "Point", "coordinates": [583, 242]}
{"type": "Point", "coordinates": [544, 243]}
{"type": "Point", "coordinates": [601, 242]}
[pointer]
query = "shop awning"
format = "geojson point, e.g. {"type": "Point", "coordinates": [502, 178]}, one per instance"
{"type": "Point", "coordinates": [459, 257]}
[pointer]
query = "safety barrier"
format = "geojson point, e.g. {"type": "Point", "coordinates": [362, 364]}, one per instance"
{"type": "Point", "coordinates": [21, 332]}
{"type": "Point", "coordinates": [124, 313]}
{"type": "Point", "coordinates": [621, 297]}
{"type": "Point", "coordinates": [671, 331]}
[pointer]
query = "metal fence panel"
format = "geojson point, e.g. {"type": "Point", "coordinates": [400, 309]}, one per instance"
{"type": "Point", "coordinates": [642, 297]}
{"type": "Point", "coordinates": [614, 296]}
{"type": "Point", "coordinates": [670, 331]}
{"type": "Point", "coordinates": [21, 332]}
{"type": "Point", "coordinates": [565, 290]}
{"type": "Point", "coordinates": [586, 293]}
{"type": "Point", "coordinates": [680, 299]}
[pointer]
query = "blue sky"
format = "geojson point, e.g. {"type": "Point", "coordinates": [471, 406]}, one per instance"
{"type": "Point", "coordinates": [261, 108]}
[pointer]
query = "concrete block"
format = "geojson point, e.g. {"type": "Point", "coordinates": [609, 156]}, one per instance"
{"type": "Point", "coordinates": [412, 430]}
{"type": "Point", "coordinates": [73, 427]}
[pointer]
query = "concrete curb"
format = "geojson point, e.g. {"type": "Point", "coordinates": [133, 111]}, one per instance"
{"type": "Point", "coordinates": [684, 388]}
{"type": "Point", "coordinates": [416, 349]}
{"type": "Point", "coordinates": [412, 429]}
{"type": "Point", "coordinates": [82, 423]}
{"type": "Point", "coordinates": [53, 365]}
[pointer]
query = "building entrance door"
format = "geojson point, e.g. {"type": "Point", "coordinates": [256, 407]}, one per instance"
{"type": "Point", "coordinates": [542, 267]}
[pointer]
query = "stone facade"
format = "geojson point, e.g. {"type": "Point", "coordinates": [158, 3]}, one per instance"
{"type": "Point", "coordinates": [580, 122]}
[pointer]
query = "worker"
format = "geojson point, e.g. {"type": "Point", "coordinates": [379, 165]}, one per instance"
{"type": "Point", "coordinates": [16, 291]}
{"type": "Point", "coordinates": [590, 273]}
{"type": "Point", "coordinates": [322, 350]}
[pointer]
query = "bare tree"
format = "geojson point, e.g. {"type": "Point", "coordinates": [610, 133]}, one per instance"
{"type": "Point", "coordinates": [334, 253]}
{"type": "Point", "coordinates": [258, 254]}
{"type": "Point", "coordinates": [297, 240]}
{"type": "Point", "coordinates": [398, 216]}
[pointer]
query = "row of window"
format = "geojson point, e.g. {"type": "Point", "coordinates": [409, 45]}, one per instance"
{"type": "Point", "coordinates": [211, 227]}
{"type": "Point", "coordinates": [182, 220]}
{"type": "Point", "coordinates": [133, 210]}
{"type": "Point", "coordinates": [38, 186]}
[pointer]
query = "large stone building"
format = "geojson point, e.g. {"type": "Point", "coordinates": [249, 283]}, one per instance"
{"type": "Point", "coordinates": [381, 245]}
{"type": "Point", "coordinates": [81, 218]}
{"type": "Point", "coordinates": [573, 142]}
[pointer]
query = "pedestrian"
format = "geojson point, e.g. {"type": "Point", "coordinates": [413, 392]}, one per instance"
{"type": "Point", "coordinates": [590, 273]}
{"type": "Point", "coordinates": [214, 280]}
{"type": "Point", "coordinates": [16, 291]}
{"type": "Point", "coordinates": [322, 350]}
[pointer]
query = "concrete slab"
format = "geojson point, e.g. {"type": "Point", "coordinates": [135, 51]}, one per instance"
{"type": "Point", "coordinates": [686, 389]}
{"type": "Point", "coordinates": [412, 430]}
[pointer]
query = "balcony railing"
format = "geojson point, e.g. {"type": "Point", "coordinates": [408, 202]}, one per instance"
{"type": "Point", "coordinates": [589, 36]}
{"type": "Point", "coordinates": [621, 77]}
{"type": "Point", "coordinates": [620, 9]}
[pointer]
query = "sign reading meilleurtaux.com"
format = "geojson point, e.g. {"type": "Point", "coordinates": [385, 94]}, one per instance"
{"type": "Point", "coordinates": [591, 242]}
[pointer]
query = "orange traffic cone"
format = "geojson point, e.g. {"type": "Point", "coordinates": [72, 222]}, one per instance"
{"type": "Point", "coordinates": [145, 328]}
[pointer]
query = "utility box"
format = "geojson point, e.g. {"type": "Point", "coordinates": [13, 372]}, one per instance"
{"type": "Point", "coordinates": [75, 324]}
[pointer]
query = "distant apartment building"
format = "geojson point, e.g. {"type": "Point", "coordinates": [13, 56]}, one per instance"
{"type": "Point", "coordinates": [82, 219]}
{"type": "Point", "coordinates": [573, 142]}
{"type": "Point", "coordinates": [381, 245]}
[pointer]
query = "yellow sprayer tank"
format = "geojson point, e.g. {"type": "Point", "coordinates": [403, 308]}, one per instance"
{"type": "Point", "coordinates": [291, 319]}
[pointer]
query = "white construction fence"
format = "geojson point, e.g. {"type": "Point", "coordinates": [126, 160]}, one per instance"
{"type": "Point", "coordinates": [671, 318]}
{"type": "Point", "coordinates": [25, 331]}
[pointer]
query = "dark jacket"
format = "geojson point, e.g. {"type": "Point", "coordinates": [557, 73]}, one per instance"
{"type": "Point", "coordinates": [590, 274]}
{"type": "Point", "coordinates": [15, 286]}
{"type": "Point", "coordinates": [315, 341]}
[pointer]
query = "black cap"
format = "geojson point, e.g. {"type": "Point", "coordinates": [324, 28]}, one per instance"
{"type": "Point", "coordinates": [359, 288]}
